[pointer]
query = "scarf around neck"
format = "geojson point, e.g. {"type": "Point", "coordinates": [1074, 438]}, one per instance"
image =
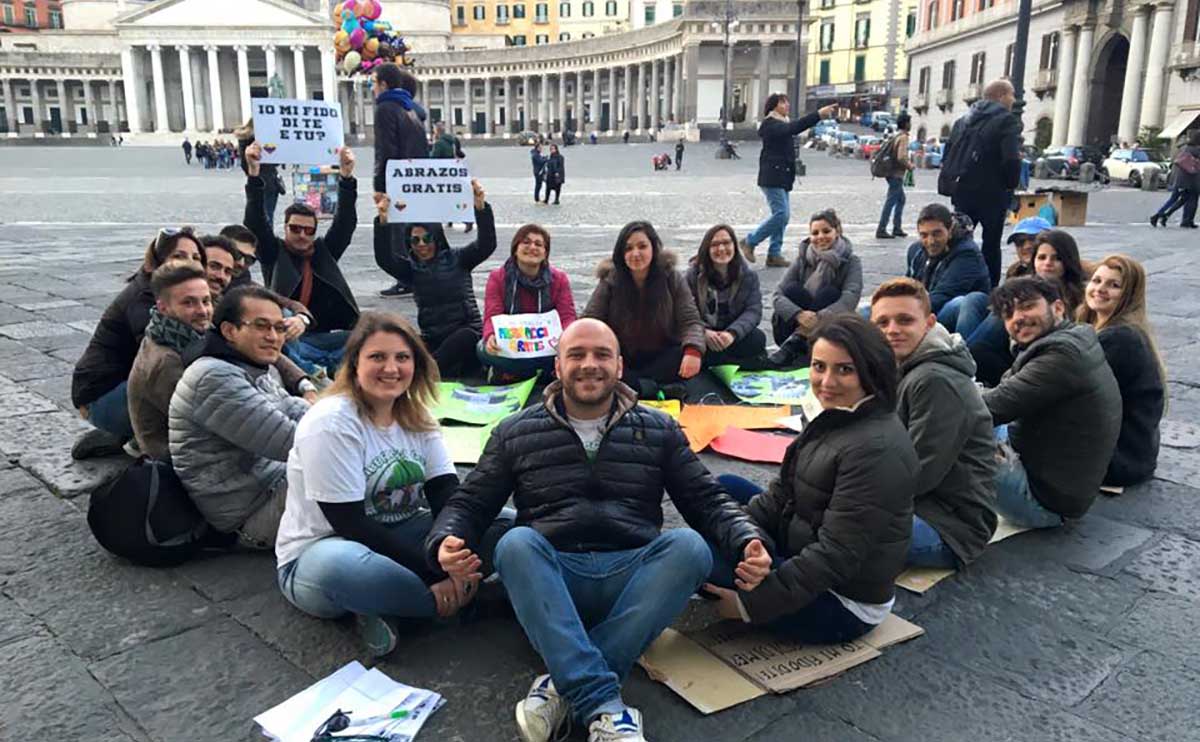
{"type": "Point", "coordinates": [539, 285]}
{"type": "Point", "coordinates": [823, 265]}
{"type": "Point", "coordinates": [400, 95]}
{"type": "Point", "coordinates": [170, 332]}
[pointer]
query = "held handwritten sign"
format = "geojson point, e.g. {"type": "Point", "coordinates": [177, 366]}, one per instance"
{"type": "Point", "coordinates": [298, 132]}
{"type": "Point", "coordinates": [528, 335]}
{"type": "Point", "coordinates": [432, 191]}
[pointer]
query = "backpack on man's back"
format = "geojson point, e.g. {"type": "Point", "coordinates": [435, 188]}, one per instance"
{"type": "Point", "coordinates": [962, 154]}
{"type": "Point", "coordinates": [883, 162]}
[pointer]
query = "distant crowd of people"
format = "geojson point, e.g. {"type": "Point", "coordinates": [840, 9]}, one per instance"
{"type": "Point", "coordinates": [219, 154]}
{"type": "Point", "coordinates": [297, 422]}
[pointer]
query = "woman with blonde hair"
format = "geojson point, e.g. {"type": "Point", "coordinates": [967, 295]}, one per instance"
{"type": "Point", "coordinates": [367, 473]}
{"type": "Point", "coordinates": [1115, 304]}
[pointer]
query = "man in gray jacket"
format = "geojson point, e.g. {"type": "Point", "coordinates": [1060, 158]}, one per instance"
{"type": "Point", "coordinates": [950, 426]}
{"type": "Point", "coordinates": [231, 422]}
{"type": "Point", "coordinates": [1062, 404]}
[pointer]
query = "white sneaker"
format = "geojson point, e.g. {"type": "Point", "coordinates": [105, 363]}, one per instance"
{"type": "Point", "coordinates": [623, 727]}
{"type": "Point", "coordinates": [541, 712]}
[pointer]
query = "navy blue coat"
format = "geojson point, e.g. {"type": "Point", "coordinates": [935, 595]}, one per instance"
{"type": "Point", "coordinates": [960, 271]}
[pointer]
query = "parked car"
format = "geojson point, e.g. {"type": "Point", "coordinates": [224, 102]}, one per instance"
{"type": "Point", "coordinates": [868, 146]}
{"type": "Point", "coordinates": [882, 121]}
{"type": "Point", "coordinates": [844, 142]}
{"type": "Point", "coordinates": [1064, 162]}
{"type": "Point", "coordinates": [1130, 166]}
{"type": "Point", "coordinates": [823, 127]}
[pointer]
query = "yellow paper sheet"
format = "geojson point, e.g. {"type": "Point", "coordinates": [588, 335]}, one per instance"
{"type": "Point", "coordinates": [702, 423]}
{"type": "Point", "coordinates": [669, 406]}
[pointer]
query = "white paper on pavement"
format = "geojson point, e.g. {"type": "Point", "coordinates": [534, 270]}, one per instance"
{"type": "Point", "coordinates": [359, 692]}
{"type": "Point", "coordinates": [430, 191]}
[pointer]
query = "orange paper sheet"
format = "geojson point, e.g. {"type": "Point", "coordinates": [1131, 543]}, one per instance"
{"type": "Point", "coordinates": [750, 446]}
{"type": "Point", "coordinates": [702, 423]}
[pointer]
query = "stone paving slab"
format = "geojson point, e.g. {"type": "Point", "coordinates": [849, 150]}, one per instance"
{"type": "Point", "coordinates": [35, 329]}
{"type": "Point", "coordinates": [29, 364]}
{"type": "Point", "coordinates": [1152, 697]}
{"type": "Point", "coordinates": [1172, 565]}
{"type": "Point", "coordinates": [1163, 623]}
{"type": "Point", "coordinates": [1158, 505]}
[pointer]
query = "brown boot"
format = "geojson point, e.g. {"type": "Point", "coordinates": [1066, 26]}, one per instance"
{"type": "Point", "coordinates": [777, 261]}
{"type": "Point", "coordinates": [747, 250]}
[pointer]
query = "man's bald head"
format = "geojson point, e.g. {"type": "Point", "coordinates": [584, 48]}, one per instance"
{"type": "Point", "coordinates": [589, 367]}
{"type": "Point", "coordinates": [1001, 91]}
{"type": "Point", "coordinates": [588, 331]}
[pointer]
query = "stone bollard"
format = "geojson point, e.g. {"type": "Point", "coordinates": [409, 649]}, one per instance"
{"type": "Point", "coordinates": [1087, 173]}
{"type": "Point", "coordinates": [1152, 179]}
{"type": "Point", "coordinates": [1041, 170]}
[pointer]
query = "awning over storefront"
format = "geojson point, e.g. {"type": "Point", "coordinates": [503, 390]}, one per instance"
{"type": "Point", "coordinates": [1179, 124]}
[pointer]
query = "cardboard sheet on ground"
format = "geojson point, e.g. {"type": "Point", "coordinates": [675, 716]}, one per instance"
{"type": "Point", "coordinates": [669, 406]}
{"type": "Point", "coordinates": [465, 442]}
{"type": "Point", "coordinates": [434, 191]}
{"type": "Point", "coordinates": [480, 405]}
{"type": "Point", "coordinates": [920, 579]}
{"type": "Point", "coordinates": [729, 663]}
{"type": "Point", "coordinates": [704, 422]}
{"type": "Point", "coordinates": [750, 446]}
{"type": "Point", "coordinates": [533, 335]}
{"type": "Point", "coordinates": [766, 387]}
{"type": "Point", "coordinates": [298, 132]}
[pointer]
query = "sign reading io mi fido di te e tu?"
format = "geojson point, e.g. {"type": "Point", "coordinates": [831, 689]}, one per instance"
{"type": "Point", "coordinates": [430, 191]}
{"type": "Point", "coordinates": [298, 132]}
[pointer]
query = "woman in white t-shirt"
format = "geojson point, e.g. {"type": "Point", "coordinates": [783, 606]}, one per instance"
{"type": "Point", "coordinates": [366, 474]}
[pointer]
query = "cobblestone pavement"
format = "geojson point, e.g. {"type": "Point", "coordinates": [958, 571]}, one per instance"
{"type": "Point", "coordinates": [1086, 632]}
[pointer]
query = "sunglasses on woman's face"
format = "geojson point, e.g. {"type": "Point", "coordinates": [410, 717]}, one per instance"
{"type": "Point", "coordinates": [301, 229]}
{"type": "Point", "coordinates": [420, 239]}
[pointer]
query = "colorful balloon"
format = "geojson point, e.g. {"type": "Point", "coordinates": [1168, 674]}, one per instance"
{"type": "Point", "coordinates": [337, 12]}
{"type": "Point", "coordinates": [351, 62]}
{"type": "Point", "coordinates": [369, 27]}
{"type": "Point", "coordinates": [376, 10]}
{"type": "Point", "coordinates": [350, 25]}
{"type": "Point", "coordinates": [370, 48]}
{"type": "Point", "coordinates": [362, 8]}
{"type": "Point", "coordinates": [357, 37]}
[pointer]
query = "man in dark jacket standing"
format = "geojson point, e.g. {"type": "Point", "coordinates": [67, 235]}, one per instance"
{"type": "Point", "coordinates": [1061, 402]}
{"type": "Point", "coordinates": [950, 426]}
{"type": "Point", "coordinates": [304, 267]}
{"type": "Point", "coordinates": [777, 173]}
{"type": "Point", "coordinates": [591, 576]}
{"type": "Point", "coordinates": [539, 171]}
{"type": "Point", "coordinates": [947, 262]}
{"type": "Point", "coordinates": [982, 173]}
{"type": "Point", "coordinates": [679, 154]}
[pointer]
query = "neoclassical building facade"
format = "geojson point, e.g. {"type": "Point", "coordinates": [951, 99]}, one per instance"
{"type": "Point", "coordinates": [173, 67]}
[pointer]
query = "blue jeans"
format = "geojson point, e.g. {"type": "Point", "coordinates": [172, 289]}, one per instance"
{"type": "Point", "coordinates": [823, 621]}
{"type": "Point", "coordinates": [963, 314]}
{"type": "Point", "coordinates": [590, 615]}
{"type": "Point", "coordinates": [312, 349]}
{"type": "Point", "coordinates": [893, 204]}
{"type": "Point", "coordinates": [1176, 197]}
{"type": "Point", "coordinates": [334, 576]}
{"type": "Point", "coordinates": [989, 346]}
{"type": "Point", "coordinates": [779, 202]}
{"type": "Point", "coordinates": [110, 412]}
{"type": "Point", "coordinates": [1015, 501]}
{"type": "Point", "coordinates": [525, 368]}
{"type": "Point", "coordinates": [927, 549]}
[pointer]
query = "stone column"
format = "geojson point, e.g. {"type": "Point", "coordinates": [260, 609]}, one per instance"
{"type": "Point", "coordinates": [348, 108]}
{"type": "Point", "coordinates": [301, 76]}
{"type": "Point", "coordinates": [489, 107]}
{"type": "Point", "coordinates": [468, 105]}
{"type": "Point", "coordinates": [654, 97]}
{"type": "Point", "coordinates": [447, 113]}
{"type": "Point", "coordinates": [189, 98]}
{"type": "Point", "coordinates": [243, 70]}
{"type": "Point", "coordinates": [580, 111]}
{"type": "Point", "coordinates": [160, 92]}
{"type": "Point", "coordinates": [214, 89]}
{"type": "Point", "coordinates": [544, 99]}
{"type": "Point", "coordinates": [1156, 68]}
{"type": "Point", "coordinates": [629, 112]}
{"type": "Point", "coordinates": [131, 80]}
{"type": "Point", "coordinates": [1080, 92]}
{"type": "Point", "coordinates": [679, 88]}
{"type": "Point", "coordinates": [10, 105]}
{"type": "Point", "coordinates": [562, 102]}
{"type": "Point", "coordinates": [36, 93]}
{"type": "Point", "coordinates": [640, 98]}
{"type": "Point", "coordinates": [764, 77]}
{"type": "Point", "coordinates": [269, 54]}
{"type": "Point", "coordinates": [89, 105]}
{"type": "Point", "coordinates": [328, 75]}
{"type": "Point", "coordinates": [597, 107]}
{"type": "Point", "coordinates": [1131, 94]}
{"type": "Point", "coordinates": [612, 101]}
{"type": "Point", "coordinates": [114, 122]}
{"type": "Point", "coordinates": [691, 71]}
{"type": "Point", "coordinates": [1062, 91]}
{"type": "Point", "coordinates": [64, 106]}
{"type": "Point", "coordinates": [669, 88]}
{"type": "Point", "coordinates": [527, 96]}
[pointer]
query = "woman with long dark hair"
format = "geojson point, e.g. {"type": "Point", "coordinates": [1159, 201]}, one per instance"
{"type": "Point", "coordinates": [729, 300]}
{"type": "Point", "coordinates": [842, 503]}
{"type": "Point", "coordinates": [650, 308]}
{"type": "Point", "coordinates": [556, 174]}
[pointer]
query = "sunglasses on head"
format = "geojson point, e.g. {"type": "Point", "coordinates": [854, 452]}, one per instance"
{"type": "Point", "coordinates": [420, 239]}
{"type": "Point", "coordinates": [301, 229]}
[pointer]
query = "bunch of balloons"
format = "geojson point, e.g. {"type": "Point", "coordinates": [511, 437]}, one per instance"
{"type": "Point", "coordinates": [362, 40]}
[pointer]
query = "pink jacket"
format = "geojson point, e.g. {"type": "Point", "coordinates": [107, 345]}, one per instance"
{"type": "Point", "coordinates": [560, 296]}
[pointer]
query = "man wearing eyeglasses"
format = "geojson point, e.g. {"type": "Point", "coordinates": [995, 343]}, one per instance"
{"type": "Point", "coordinates": [303, 266]}
{"type": "Point", "coordinates": [231, 421]}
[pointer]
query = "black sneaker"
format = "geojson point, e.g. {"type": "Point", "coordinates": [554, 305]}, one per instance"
{"type": "Point", "coordinates": [882, 234]}
{"type": "Point", "coordinates": [899, 233]}
{"type": "Point", "coordinates": [396, 292]}
{"type": "Point", "coordinates": [96, 443]}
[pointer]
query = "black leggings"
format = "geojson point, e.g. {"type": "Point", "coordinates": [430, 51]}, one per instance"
{"type": "Point", "coordinates": [782, 328]}
{"type": "Point", "coordinates": [646, 370]}
{"type": "Point", "coordinates": [555, 188]}
{"type": "Point", "coordinates": [749, 347]}
{"type": "Point", "coordinates": [455, 353]}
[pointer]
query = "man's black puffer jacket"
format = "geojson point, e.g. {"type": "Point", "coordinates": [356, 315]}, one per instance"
{"type": "Point", "coordinates": [609, 504]}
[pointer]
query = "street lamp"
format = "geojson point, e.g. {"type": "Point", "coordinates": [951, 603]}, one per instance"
{"type": "Point", "coordinates": [1024, 10]}
{"type": "Point", "coordinates": [726, 22]}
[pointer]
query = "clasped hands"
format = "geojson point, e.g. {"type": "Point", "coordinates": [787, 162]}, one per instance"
{"type": "Point", "coordinates": [749, 574]}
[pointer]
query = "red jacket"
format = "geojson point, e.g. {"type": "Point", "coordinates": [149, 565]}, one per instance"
{"type": "Point", "coordinates": [560, 296]}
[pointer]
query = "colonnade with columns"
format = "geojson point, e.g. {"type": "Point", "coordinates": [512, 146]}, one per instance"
{"type": "Point", "coordinates": [89, 103]}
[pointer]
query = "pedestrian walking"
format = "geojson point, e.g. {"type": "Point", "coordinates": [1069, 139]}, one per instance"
{"type": "Point", "coordinates": [981, 166]}
{"type": "Point", "coordinates": [898, 165]}
{"type": "Point", "coordinates": [679, 153]}
{"type": "Point", "coordinates": [187, 151]}
{"type": "Point", "coordinates": [625, 136]}
{"type": "Point", "coordinates": [556, 174]}
{"type": "Point", "coordinates": [539, 171]}
{"type": "Point", "coordinates": [1186, 191]}
{"type": "Point", "coordinates": [777, 173]}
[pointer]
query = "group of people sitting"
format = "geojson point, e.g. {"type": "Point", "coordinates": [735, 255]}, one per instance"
{"type": "Point", "coordinates": [910, 461]}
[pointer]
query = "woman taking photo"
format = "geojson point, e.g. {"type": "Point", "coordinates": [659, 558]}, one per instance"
{"type": "Point", "coordinates": [729, 300]}
{"type": "Point", "coordinates": [1116, 306]}
{"type": "Point", "coordinates": [840, 509]}
{"type": "Point", "coordinates": [525, 284]}
{"type": "Point", "coordinates": [367, 472]}
{"type": "Point", "coordinates": [649, 307]}
{"type": "Point", "coordinates": [825, 279]}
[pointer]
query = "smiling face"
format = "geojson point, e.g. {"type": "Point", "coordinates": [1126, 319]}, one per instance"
{"type": "Point", "coordinates": [903, 322]}
{"type": "Point", "coordinates": [221, 269]}
{"type": "Point", "coordinates": [1104, 291]}
{"type": "Point", "coordinates": [935, 237]}
{"type": "Point", "coordinates": [421, 244]}
{"type": "Point", "coordinates": [1047, 263]}
{"type": "Point", "coordinates": [1033, 318]}
{"type": "Point", "coordinates": [385, 369]}
{"type": "Point", "coordinates": [822, 234]}
{"type": "Point", "coordinates": [588, 364]}
{"type": "Point", "coordinates": [186, 249]}
{"type": "Point", "coordinates": [1024, 245]}
{"type": "Point", "coordinates": [259, 336]}
{"type": "Point", "coordinates": [639, 254]}
{"type": "Point", "coordinates": [721, 249]}
{"type": "Point", "coordinates": [834, 377]}
{"type": "Point", "coordinates": [531, 252]}
{"type": "Point", "coordinates": [189, 302]}
{"type": "Point", "coordinates": [299, 233]}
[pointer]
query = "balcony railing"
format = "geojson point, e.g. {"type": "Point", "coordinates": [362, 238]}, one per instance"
{"type": "Point", "coordinates": [1186, 55]}
{"type": "Point", "coordinates": [944, 97]}
{"type": "Point", "coordinates": [919, 101]}
{"type": "Point", "coordinates": [1045, 80]}
{"type": "Point", "coordinates": [973, 92]}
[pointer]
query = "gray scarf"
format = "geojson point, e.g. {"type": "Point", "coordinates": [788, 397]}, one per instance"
{"type": "Point", "coordinates": [823, 265]}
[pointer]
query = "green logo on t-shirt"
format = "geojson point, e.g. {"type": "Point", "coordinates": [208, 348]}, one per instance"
{"type": "Point", "coordinates": [395, 487]}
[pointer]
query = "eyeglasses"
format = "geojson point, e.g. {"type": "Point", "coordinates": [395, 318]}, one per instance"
{"type": "Point", "coordinates": [247, 259]}
{"type": "Point", "coordinates": [721, 243]}
{"type": "Point", "coordinates": [420, 239]}
{"type": "Point", "coordinates": [301, 229]}
{"type": "Point", "coordinates": [263, 325]}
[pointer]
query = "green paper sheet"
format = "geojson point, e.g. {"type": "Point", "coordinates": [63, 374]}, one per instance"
{"type": "Point", "coordinates": [480, 405]}
{"type": "Point", "coordinates": [465, 442]}
{"type": "Point", "coordinates": [766, 387]}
